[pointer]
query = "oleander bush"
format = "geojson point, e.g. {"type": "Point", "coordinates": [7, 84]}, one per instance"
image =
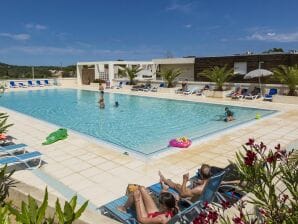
{"type": "Point", "coordinates": [272, 182]}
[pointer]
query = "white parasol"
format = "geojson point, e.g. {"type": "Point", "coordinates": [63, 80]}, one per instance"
{"type": "Point", "coordinates": [258, 73]}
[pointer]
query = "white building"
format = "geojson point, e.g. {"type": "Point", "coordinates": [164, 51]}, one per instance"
{"type": "Point", "coordinates": [87, 72]}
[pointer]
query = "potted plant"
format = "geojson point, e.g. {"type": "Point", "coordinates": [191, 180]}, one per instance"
{"type": "Point", "coordinates": [170, 75]}
{"type": "Point", "coordinates": [219, 75]}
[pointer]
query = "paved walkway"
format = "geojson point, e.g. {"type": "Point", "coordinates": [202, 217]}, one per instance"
{"type": "Point", "coordinates": [101, 174]}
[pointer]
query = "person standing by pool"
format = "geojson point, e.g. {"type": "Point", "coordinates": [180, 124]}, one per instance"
{"type": "Point", "coordinates": [184, 85]}
{"type": "Point", "coordinates": [229, 115]}
{"type": "Point", "coordinates": [101, 89]}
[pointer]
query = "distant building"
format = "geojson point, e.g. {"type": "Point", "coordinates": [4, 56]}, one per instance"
{"type": "Point", "coordinates": [242, 64]}
{"type": "Point", "coordinates": [190, 66]}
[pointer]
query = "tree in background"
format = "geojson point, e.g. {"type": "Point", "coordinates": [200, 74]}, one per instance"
{"type": "Point", "coordinates": [273, 50]}
{"type": "Point", "coordinates": [288, 75]}
{"type": "Point", "coordinates": [131, 73]}
{"type": "Point", "coordinates": [170, 75]}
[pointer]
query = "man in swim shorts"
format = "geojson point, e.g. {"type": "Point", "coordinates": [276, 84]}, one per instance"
{"type": "Point", "coordinates": [229, 115]}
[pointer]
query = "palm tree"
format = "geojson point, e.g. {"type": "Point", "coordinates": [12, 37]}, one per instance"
{"type": "Point", "coordinates": [170, 75]}
{"type": "Point", "coordinates": [131, 72]}
{"type": "Point", "coordinates": [219, 75]}
{"type": "Point", "coordinates": [3, 125]}
{"type": "Point", "coordinates": [288, 75]}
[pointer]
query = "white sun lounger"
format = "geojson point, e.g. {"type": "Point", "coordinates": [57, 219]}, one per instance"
{"type": "Point", "coordinates": [11, 149]}
{"type": "Point", "coordinates": [22, 159]}
{"type": "Point", "coordinates": [191, 91]}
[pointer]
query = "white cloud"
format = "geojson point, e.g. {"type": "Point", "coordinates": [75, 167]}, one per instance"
{"type": "Point", "coordinates": [188, 26]}
{"type": "Point", "coordinates": [274, 37]}
{"type": "Point", "coordinates": [182, 7]}
{"type": "Point", "coordinates": [20, 36]}
{"type": "Point", "coordinates": [35, 26]}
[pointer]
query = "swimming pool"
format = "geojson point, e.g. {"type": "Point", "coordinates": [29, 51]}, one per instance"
{"type": "Point", "coordinates": [141, 124]}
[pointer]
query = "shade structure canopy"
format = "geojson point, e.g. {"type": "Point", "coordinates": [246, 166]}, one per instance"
{"type": "Point", "coordinates": [258, 73]}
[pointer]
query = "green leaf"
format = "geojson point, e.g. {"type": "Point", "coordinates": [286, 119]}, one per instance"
{"type": "Point", "coordinates": [81, 210]}
{"type": "Point", "coordinates": [73, 202]}
{"type": "Point", "coordinates": [59, 212]}
{"type": "Point", "coordinates": [42, 210]}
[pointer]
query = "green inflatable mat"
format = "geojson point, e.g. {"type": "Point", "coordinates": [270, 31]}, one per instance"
{"type": "Point", "coordinates": [55, 136]}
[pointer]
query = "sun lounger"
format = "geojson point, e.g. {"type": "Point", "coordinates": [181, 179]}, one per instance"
{"type": "Point", "coordinates": [22, 85]}
{"type": "Point", "coordinates": [186, 215]}
{"type": "Point", "coordinates": [237, 96]}
{"type": "Point", "coordinates": [12, 84]}
{"type": "Point", "coordinates": [31, 84]}
{"type": "Point", "coordinates": [270, 94]}
{"type": "Point", "coordinates": [191, 91]}
{"type": "Point", "coordinates": [255, 93]}
{"type": "Point", "coordinates": [11, 149]}
{"type": "Point", "coordinates": [38, 83]}
{"type": "Point", "coordinates": [22, 159]}
{"type": "Point", "coordinates": [47, 83]}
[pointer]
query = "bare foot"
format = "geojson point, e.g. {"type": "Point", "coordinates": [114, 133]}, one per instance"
{"type": "Point", "coordinates": [122, 209]}
{"type": "Point", "coordinates": [162, 178]}
{"type": "Point", "coordinates": [164, 186]}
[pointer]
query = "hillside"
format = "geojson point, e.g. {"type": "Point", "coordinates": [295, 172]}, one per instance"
{"type": "Point", "coordinates": [19, 72]}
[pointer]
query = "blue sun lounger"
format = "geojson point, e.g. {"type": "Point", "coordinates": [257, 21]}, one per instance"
{"type": "Point", "coordinates": [270, 94]}
{"type": "Point", "coordinates": [12, 84]}
{"type": "Point", "coordinates": [186, 215]}
{"type": "Point", "coordinates": [11, 149]}
{"type": "Point", "coordinates": [31, 84]}
{"type": "Point", "coordinates": [38, 83]}
{"type": "Point", "coordinates": [22, 159]}
{"type": "Point", "coordinates": [47, 83]}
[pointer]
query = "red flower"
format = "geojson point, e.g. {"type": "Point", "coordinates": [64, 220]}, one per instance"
{"type": "Point", "coordinates": [271, 159]}
{"type": "Point", "coordinates": [250, 142]}
{"type": "Point", "coordinates": [238, 220]}
{"type": "Point", "coordinates": [262, 212]}
{"type": "Point", "coordinates": [277, 147]}
{"type": "Point", "coordinates": [226, 204]}
{"type": "Point", "coordinates": [250, 158]}
{"type": "Point", "coordinates": [212, 216]}
{"type": "Point", "coordinates": [263, 146]}
{"type": "Point", "coordinates": [285, 197]}
{"type": "Point", "coordinates": [206, 204]}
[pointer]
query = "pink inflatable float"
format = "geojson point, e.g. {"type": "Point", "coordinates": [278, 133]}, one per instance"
{"type": "Point", "coordinates": [180, 142]}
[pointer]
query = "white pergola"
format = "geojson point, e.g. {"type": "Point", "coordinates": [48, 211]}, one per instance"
{"type": "Point", "coordinates": [111, 67]}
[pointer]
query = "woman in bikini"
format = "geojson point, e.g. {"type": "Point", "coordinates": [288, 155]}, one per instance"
{"type": "Point", "coordinates": [146, 209]}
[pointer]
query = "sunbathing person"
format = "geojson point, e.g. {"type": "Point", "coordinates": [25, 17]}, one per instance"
{"type": "Point", "coordinates": [146, 209]}
{"type": "Point", "coordinates": [196, 190]}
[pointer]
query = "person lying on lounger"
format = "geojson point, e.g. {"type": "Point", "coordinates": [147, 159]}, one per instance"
{"type": "Point", "coordinates": [146, 209]}
{"type": "Point", "coordinates": [196, 190]}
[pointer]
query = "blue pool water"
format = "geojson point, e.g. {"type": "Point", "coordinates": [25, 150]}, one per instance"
{"type": "Point", "coordinates": [142, 124]}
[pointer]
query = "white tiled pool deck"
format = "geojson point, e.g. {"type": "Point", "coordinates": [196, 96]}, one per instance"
{"type": "Point", "coordinates": [101, 174]}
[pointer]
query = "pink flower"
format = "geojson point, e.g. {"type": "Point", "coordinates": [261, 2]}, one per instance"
{"type": "Point", "coordinates": [263, 146]}
{"type": "Point", "coordinates": [277, 147]}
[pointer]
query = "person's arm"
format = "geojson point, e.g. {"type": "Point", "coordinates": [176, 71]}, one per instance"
{"type": "Point", "coordinates": [231, 182]}
{"type": "Point", "coordinates": [185, 192]}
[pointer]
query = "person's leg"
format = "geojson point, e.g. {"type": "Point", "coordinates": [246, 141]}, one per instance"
{"type": "Point", "coordinates": [148, 201]}
{"type": "Point", "coordinates": [128, 204]}
{"type": "Point", "coordinates": [140, 207]}
{"type": "Point", "coordinates": [170, 183]}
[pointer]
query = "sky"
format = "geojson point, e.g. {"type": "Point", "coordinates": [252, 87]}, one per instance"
{"type": "Point", "coordinates": [55, 32]}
